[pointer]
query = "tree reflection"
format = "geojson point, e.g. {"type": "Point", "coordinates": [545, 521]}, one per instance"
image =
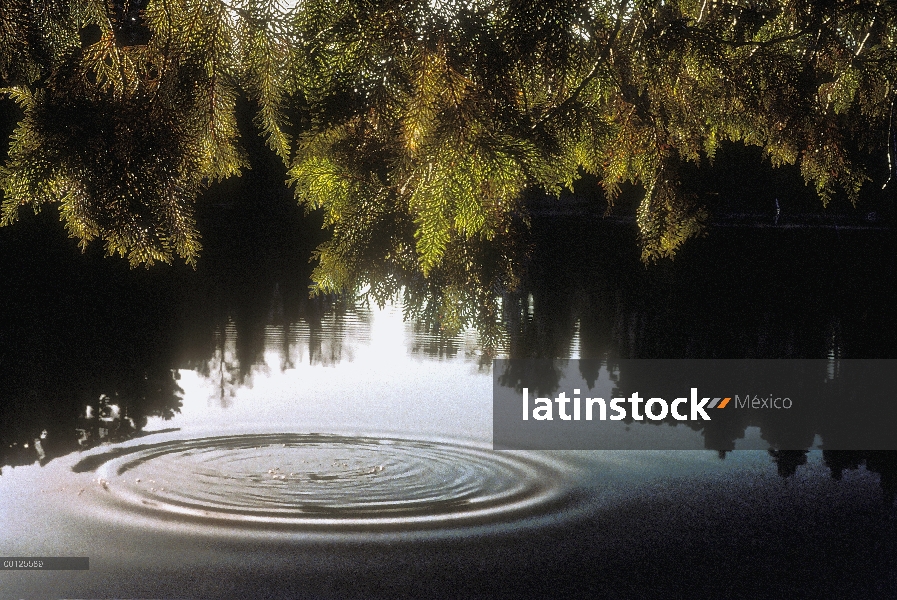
{"type": "Point", "coordinates": [882, 462]}
{"type": "Point", "coordinates": [84, 327]}
{"type": "Point", "coordinates": [747, 293]}
{"type": "Point", "coordinates": [79, 328]}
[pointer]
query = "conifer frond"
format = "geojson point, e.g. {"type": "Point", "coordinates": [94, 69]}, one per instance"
{"type": "Point", "coordinates": [666, 219]}
{"type": "Point", "coordinates": [418, 125]}
{"type": "Point", "coordinates": [266, 50]}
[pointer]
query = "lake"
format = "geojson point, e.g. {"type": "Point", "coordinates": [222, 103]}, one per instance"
{"type": "Point", "coordinates": [254, 442]}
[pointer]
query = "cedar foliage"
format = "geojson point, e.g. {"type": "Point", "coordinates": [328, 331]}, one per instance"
{"type": "Point", "coordinates": [415, 126]}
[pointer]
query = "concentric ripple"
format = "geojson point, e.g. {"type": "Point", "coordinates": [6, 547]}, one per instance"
{"type": "Point", "coordinates": [326, 482]}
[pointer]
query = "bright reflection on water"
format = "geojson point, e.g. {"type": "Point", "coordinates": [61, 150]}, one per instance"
{"type": "Point", "coordinates": [404, 441]}
{"type": "Point", "coordinates": [376, 384]}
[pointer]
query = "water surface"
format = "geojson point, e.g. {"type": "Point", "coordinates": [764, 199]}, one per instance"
{"type": "Point", "coordinates": [321, 447]}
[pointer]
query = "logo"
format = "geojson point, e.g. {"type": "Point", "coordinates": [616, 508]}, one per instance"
{"type": "Point", "coordinates": [656, 409]}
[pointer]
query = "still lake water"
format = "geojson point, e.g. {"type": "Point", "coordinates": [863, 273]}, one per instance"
{"type": "Point", "coordinates": [322, 448]}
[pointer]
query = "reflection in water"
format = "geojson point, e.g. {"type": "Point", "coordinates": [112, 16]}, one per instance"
{"type": "Point", "coordinates": [223, 368]}
{"type": "Point", "coordinates": [75, 330]}
{"type": "Point", "coordinates": [882, 462]}
{"type": "Point", "coordinates": [315, 482]}
{"type": "Point", "coordinates": [211, 512]}
{"type": "Point", "coordinates": [89, 327]}
{"type": "Point", "coordinates": [735, 294]}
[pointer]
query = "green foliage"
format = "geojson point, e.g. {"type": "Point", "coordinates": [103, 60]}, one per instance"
{"type": "Point", "coordinates": [416, 126]}
{"type": "Point", "coordinates": [115, 173]}
{"type": "Point", "coordinates": [123, 138]}
{"type": "Point", "coordinates": [666, 219]}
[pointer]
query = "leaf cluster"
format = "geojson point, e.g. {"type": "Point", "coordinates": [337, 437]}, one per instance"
{"type": "Point", "coordinates": [417, 126]}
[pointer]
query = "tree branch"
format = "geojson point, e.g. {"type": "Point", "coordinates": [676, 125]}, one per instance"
{"type": "Point", "coordinates": [602, 58]}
